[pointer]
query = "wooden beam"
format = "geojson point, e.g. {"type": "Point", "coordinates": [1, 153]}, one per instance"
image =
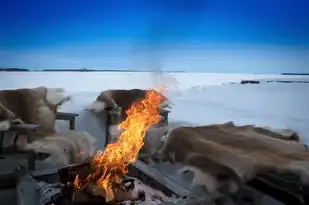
{"type": "Point", "coordinates": [68, 117]}
{"type": "Point", "coordinates": [23, 128]}
{"type": "Point", "coordinates": [158, 177]}
{"type": "Point", "coordinates": [286, 192]}
{"type": "Point", "coordinates": [29, 154]}
{"type": "Point", "coordinates": [11, 179]}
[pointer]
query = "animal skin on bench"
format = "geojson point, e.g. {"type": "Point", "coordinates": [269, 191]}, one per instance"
{"type": "Point", "coordinates": [20, 129]}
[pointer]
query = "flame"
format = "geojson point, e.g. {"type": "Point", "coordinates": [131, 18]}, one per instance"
{"type": "Point", "coordinates": [112, 164]}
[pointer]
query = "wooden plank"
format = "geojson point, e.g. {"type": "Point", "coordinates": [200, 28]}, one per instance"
{"type": "Point", "coordinates": [10, 179]}
{"type": "Point", "coordinates": [163, 111]}
{"type": "Point", "coordinates": [282, 194]}
{"type": "Point", "coordinates": [23, 128]}
{"type": "Point", "coordinates": [162, 179]}
{"type": "Point", "coordinates": [289, 183]}
{"type": "Point", "coordinates": [28, 154]}
{"type": "Point", "coordinates": [20, 129]}
{"type": "Point", "coordinates": [66, 116]}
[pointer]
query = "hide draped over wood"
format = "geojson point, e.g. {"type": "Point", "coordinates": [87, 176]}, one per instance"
{"type": "Point", "coordinates": [39, 106]}
{"type": "Point", "coordinates": [123, 99]}
{"type": "Point", "coordinates": [33, 106]}
{"type": "Point", "coordinates": [222, 156]}
{"type": "Point", "coordinates": [117, 102]}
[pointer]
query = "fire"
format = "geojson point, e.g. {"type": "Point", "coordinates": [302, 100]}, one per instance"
{"type": "Point", "coordinates": [109, 166]}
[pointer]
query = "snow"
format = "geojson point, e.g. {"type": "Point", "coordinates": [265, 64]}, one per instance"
{"type": "Point", "coordinates": [198, 98]}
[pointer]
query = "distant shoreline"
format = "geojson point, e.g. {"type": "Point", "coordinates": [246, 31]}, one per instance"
{"type": "Point", "coordinates": [294, 73]}
{"type": "Point", "coordinates": [75, 70]}
{"type": "Point", "coordinates": [105, 70]}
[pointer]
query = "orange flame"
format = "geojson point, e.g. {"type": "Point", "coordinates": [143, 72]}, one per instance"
{"type": "Point", "coordinates": [112, 164]}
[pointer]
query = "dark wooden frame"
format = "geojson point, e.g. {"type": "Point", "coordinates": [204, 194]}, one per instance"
{"type": "Point", "coordinates": [67, 117]}
{"type": "Point", "coordinates": [19, 129]}
{"type": "Point", "coordinates": [28, 129]}
{"type": "Point", "coordinates": [285, 188]}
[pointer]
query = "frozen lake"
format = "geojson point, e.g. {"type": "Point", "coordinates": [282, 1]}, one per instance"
{"type": "Point", "coordinates": [198, 98]}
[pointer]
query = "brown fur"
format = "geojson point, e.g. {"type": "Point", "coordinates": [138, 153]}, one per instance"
{"type": "Point", "coordinates": [226, 179]}
{"type": "Point", "coordinates": [124, 99]}
{"type": "Point", "coordinates": [7, 118]}
{"type": "Point", "coordinates": [119, 98]}
{"type": "Point", "coordinates": [283, 134]}
{"type": "Point", "coordinates": [5, 113]}
{"type": "Point", "coordinates": [247, 152]}
{"type": "Point", "coordinates": [32, 106]}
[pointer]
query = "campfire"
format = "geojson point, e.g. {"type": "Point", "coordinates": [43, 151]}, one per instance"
{"type": "Point", "coordinates": [107, 174]}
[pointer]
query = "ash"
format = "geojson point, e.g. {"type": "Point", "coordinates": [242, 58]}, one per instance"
{"type": "Point", "coordinates": [146, 195]}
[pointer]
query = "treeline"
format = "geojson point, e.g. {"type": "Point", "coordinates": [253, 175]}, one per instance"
{"type": "Point", "coordinates": [73, 70]}
{"type": "Point", "coordinates": [14, 69]}
{"type": "Point", "coordinates": [295, 74]}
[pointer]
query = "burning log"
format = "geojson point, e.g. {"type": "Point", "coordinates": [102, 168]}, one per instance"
{"type": "Point", "coordinates": [121, 192]}
{"type": "Point", "coordinates": [108, 168]}
{"type": "Point", "coordinates": [129, 189]}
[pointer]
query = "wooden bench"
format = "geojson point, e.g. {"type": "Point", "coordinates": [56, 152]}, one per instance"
{"type": "Point", "coordinates": [67, 117]}
{"type": "Point", "coordinates": [27, 129]}
{"type": "Point", "coordinates": [10, 150]}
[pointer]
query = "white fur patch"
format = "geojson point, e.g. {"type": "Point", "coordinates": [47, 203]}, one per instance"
{"type": "Point", "coordinates": [55, 95]}
{"type": "Point", "coordinates": [65, 148]}
{"type": "Point", "coordinates": [165, 137]}
{"type": "Point", "coordinates": [58, 157]}
{"type": "Point", "coordinates": [152, 141]}
{"type": "Point", "coordinates": [47, 116]}
{"type": "Point", "coordinates": [87, 144]}
{"type": "Point", "coordinates": [5, 125]}
{"type": "Point", "coordinates": [96, 106]}
{"type": "Point", "coordinates": [201, 178]}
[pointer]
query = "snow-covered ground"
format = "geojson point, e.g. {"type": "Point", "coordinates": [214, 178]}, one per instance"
{"type": "Point", "coordinates": [198, 98]}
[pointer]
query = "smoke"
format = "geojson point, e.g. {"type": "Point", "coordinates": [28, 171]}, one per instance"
{"type": "Point", "coordinates": [169, 24]}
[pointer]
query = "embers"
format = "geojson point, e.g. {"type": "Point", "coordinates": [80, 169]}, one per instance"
{"type": "Point", "coordinates": [139, 185]}
{"type": "Point", "coordinates": [127, 190]}
{"type": "Point", "coordinates": [131, 191]}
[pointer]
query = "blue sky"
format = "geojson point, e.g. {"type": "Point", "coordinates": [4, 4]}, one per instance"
{"type": "Point", "coordinates": [259, 36]}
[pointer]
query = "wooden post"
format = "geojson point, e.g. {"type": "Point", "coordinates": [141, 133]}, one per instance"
{"type": "Point", "coordinates": [108, 123]}
{"type": "Point", "coordinates": [67, 117]}
{"type": "Point", "coordinates": [2, 135]}
{"type": "Point", "coordinates": [72, 124]}
{"type": "Point", "coordinates": [164, 114]}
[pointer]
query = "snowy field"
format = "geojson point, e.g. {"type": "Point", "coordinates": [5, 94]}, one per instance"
{"type": "Point", "coordinates": [198, 98]}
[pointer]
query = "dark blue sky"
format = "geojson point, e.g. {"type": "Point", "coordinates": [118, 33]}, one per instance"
{"type": "Point", "coordinates": [200, 35]}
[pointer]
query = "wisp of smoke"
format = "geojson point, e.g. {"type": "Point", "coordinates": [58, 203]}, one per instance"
{"type": "Point", "coordinates": [166, 29]}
